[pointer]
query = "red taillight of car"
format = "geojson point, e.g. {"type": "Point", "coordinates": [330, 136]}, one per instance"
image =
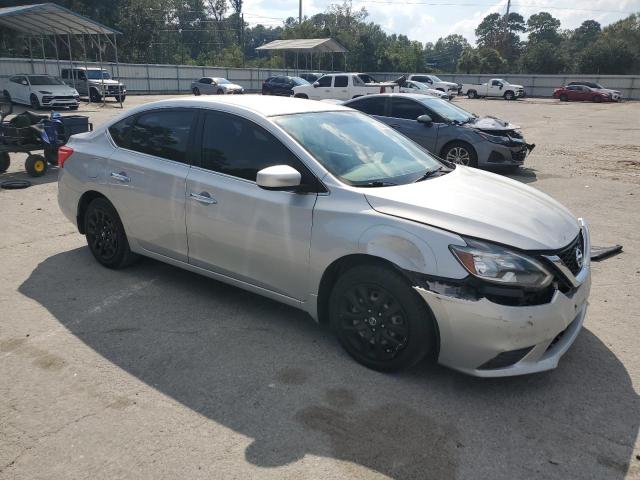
{"type": "Point", "coordinates": [64, 152]}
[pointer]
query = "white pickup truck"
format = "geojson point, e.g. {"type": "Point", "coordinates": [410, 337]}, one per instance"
{"type": "Point", "coordinates": [496, 87]}
{"type": "Point", "coordinates": [342, 86]}
{"type": "Point", "coordinates": [431, 81]}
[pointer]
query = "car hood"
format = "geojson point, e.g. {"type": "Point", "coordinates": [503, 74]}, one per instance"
{"type": "Point", "coordinates": [105, 81]}
{"type": "Point", "coordinates": [231, 86]}
{"type": "Point", "coordinates": [55, 89]}
{"type": "Point", "coordinates": [606, 90]}
{"type": "Point", "coordinates": [491, 124]}
{"type": "Point", "coordinates": [483, 205]}
{"type": "Point", "coordinates": [449, 84]}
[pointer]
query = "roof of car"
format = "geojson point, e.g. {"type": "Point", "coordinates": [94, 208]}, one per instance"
{"type": "Point", "coordinates": [266, 106]}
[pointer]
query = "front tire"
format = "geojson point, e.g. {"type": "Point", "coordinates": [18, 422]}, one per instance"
{"type": "Point", "coordinates": [196, 91]}
{"type": "Point", "coordinates": [95, 96]}
{"type": "Point", "coordinates": [301, 95]}
{"type": "Point", "coordinates": [7, 96]}
{"type": "Point", "coordinates": [5, 161]}
{"type": "Point", "coordinates": [379, 319]}
{"type": "Point", "coordinates": [105, 234]}
{"type": "Point", "coordinates": [564, 97]}
{"type": "Point", "coordinates": [472, 94]}
{"type": "Point", "coordinates": [220, 92]}
{"type": "Point", "coordinates": [35, 103]}
{"type": "Point", "coordinates": [121, 98]}
{"type": "Point", "coordinates": [597, 99]}
{"type": "Point", "coordinates": [509, 95]}
{"type": "Point", "coordinates": [460, 153]}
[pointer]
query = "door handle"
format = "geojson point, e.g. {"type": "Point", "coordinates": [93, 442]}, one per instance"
{"type": "Point", "coordinates": [121, 177]}
{"type": "Point", "coordinates": [203, 198]}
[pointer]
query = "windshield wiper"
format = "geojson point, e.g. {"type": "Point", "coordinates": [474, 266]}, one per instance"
{"type": "Point", "coordinates": [427, 174]}
{"type": "Point", "coordinates": [376, 183]}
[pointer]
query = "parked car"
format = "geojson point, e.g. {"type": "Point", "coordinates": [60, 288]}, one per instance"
{"type": "Point", "coordinates": [583, 93]}
{"type": "Point", "coordinates": [343, 86]}
{"type": "Point", "coordinates": [434, 82]}
{"type": "Point", "coordinates": [215, 86]}
{"type": "Point", "coordinates": [94, 83]}
{"type": "Point", "coordinates": [447, 130]}
{"type": "Point", "coordinates": [328, 210]}
{"type": "Point", "coordinates": [496, 87]}
{"type": "Point", "coordinates": [410, 86]}
{"type": "Point", "coordinates": [616, 96]}
{"type": "Point", "coordinates": [40, 91]}
{"type": "Point", "coordinates": [282, 85]}
{"type": "Point", "coordinates": [311, 77]}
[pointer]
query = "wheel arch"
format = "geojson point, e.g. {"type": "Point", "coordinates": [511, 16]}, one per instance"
{"type": "Point", "coordinates": [86, 198]}
{"type": "Point", "coordinates": [443, 149]}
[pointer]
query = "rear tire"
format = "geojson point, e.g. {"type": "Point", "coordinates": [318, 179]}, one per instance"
{"type": "Point", "coordinates": [301, 95]}
{"type": "Point", "coordinates": [105, 235]}
{"type": "Point", "coordinates": [460, 153]}
{"type": "Point", "coordinates": [379, 319]}
{"type": "Point", "coordinates": [74, 107]}
{"type": "Point", "coordinates": [5, 162]}
{"type": "Point", "coordinates": [564, 97]}
{"type": "Point", "coordinates": [35, 165]}
{"type": "Point", "coordinates": [196, 91]}
{"type": "Point", "coordinates": [7, 96]}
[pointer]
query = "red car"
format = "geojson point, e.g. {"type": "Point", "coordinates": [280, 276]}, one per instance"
{"type": "Point", "coordinates": [581, 92]}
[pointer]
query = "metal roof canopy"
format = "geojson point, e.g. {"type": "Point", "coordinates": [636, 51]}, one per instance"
{"type": "Point", "coordinates": [46, 20]}
{"type": "Point", "coordinates": [306, 45]}
{"type": "Point", "coordinates": [50, 19]}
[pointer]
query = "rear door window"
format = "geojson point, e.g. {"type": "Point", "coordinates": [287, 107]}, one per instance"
{"type": "Point", "coordinates": [162, 133]}
{"type": "Point", "coordinates": [341, 81]}
{"type": "Point", "coordinates": [370, 105]}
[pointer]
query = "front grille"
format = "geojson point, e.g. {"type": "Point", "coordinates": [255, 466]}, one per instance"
{"type": "Point", "coordinates": [569, 255]}
{"type": "Point", "coordinates": [64, 97]}
{"type": "Point", "coordinates": [520, 155]}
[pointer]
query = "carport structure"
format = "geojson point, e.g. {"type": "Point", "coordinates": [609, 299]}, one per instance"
{"type": "Point", "coordinates": [307, 46]}
{"type": "Point", "coordinates": [54, 23]}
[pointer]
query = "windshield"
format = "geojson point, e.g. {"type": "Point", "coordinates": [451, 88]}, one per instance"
{"type": "Point", "coordinates": [435, 79]}
{"type": "Point", "coordinates": [299, 81]}
{"type": "Point", "coordinates": [421, 86]}
{"type": "Point", "coordinates": [44, 80]}
{"type": "Point", "coordinates": [95, 74]}
{"type": "Point", "coordinates": [221, 81]}
{"type": "Point", "coordinates": [447, 110]}
{"type": "Point", "coordinates": [357, 149]}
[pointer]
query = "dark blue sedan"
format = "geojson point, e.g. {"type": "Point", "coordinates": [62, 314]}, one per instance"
{"type": "Point", "coordinates": [282, 85]}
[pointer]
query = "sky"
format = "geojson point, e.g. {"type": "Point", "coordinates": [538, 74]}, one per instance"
{"type": "Point", "coordinates": [428, 20]}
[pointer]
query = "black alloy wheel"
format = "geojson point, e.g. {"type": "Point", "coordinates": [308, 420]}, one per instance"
{"type": "Point", "coordinates": [379, 320]}
{"type": "Point", "coordinates": [106, 236]}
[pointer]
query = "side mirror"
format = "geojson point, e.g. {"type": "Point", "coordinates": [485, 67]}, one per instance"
{"type": "Point", "coordinates": [24, 82]}
{"type": "Point", "coordinates": [316, 84]}
{"type": "Point", "coordinates": [426, 119]}
{"type": "Point", "coordinates": [278, 177]}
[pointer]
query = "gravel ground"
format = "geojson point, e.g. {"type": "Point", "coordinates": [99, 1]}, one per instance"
{"type": "Point", "coordinates": [154, 372]}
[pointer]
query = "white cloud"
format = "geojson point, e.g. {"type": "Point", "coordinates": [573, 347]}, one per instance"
{"type": "Point", "coordinates": [427, 23]}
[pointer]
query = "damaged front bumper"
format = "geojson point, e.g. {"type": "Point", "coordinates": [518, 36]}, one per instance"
{"type": "Point", "coordinates": [487, 339]}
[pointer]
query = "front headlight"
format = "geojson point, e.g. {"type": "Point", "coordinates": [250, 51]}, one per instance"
{"type": "Point", "coordinates": [494, 138]}
{"type": "Point", "coordinates": [44, 92]}
{"type": "Point", "coordinates": [497, 264]}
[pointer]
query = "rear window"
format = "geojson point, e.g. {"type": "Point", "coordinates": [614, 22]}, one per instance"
{"type": "Point", "coordinates": [162, 133]}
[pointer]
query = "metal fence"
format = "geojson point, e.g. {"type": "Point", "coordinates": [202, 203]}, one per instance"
{"type": "Point", "coordinates": [154, 78]}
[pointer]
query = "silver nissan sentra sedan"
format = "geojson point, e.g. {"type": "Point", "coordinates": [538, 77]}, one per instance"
{"type": "Point", "coordinates": [328, 210]}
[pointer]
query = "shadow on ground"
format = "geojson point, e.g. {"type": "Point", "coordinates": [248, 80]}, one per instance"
{"type": "Point", "coordinates": [268, 372]}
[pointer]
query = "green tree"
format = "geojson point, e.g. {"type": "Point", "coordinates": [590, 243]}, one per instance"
{"type": "Point", "coordinates": [447, 51]}
{"type": "Point", "coordinates": [586, 34]}
{"type": "Point", "coordinates": [608, 56]}
{"type": "Point", "coordinates": [543, 57]}
{"type": "Point", "coordinates": [490, 61]}
{"type": "Point", "coordinates": [501, 35]}
{"type": "Point", "coordinates": [469, 61]}
{"type": "Point", "coordinates": [543, 27]}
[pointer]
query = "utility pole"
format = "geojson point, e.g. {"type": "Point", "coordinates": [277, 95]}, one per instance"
{"type": "Point", "coordinates": [300, 12]}
{"type": "Point", "coordinates": [505, 40]}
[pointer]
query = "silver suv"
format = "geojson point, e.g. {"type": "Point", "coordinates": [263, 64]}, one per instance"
{"type": "Point", "coordinates": [326, 209]}
{"type": "Point", "coordinates": [94, 83]}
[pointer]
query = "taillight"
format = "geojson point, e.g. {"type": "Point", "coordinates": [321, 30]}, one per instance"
{"type": "Point", "coordinates": [64, 152]}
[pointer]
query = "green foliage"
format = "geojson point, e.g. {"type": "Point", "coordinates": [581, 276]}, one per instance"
{"type": "Point", "coordinates": [543, 27]}
{"type": "Point", "coordinates": [206, 32]}
{"type": "Point", "coordinates": [543, 57]}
